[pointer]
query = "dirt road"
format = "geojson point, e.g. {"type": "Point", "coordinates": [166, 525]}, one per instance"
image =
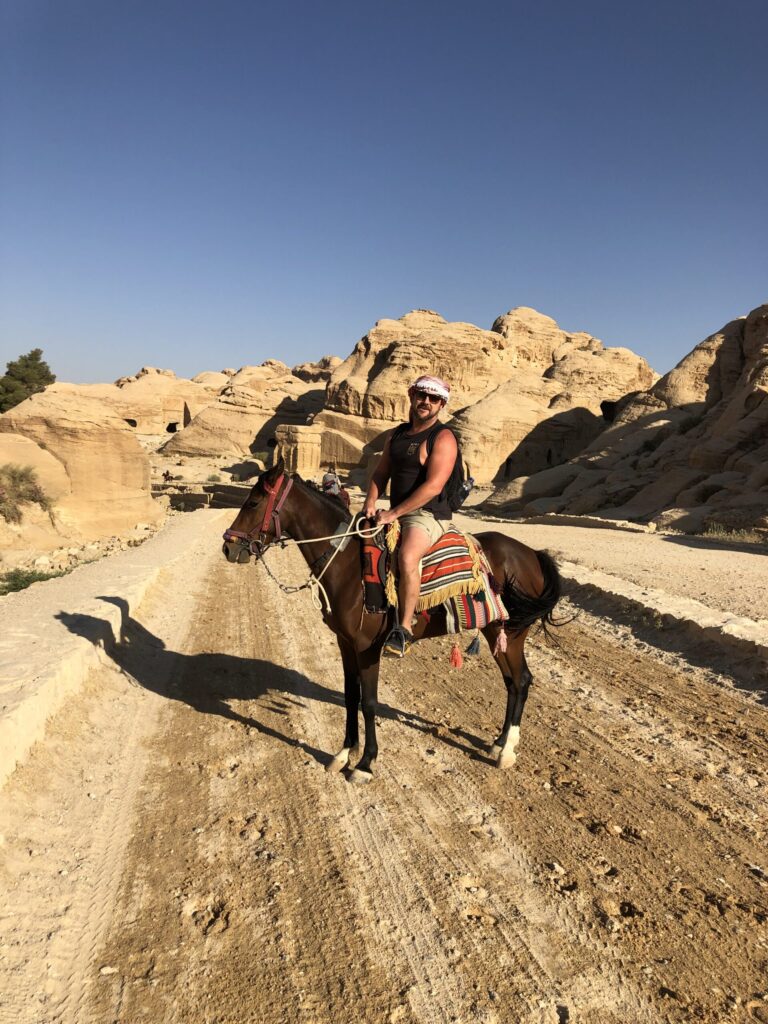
{"type": "Point", "coordinates": [175, 852]}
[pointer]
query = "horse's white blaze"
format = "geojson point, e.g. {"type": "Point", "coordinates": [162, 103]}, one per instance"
{"type": "Point", "coordinates": [340, 761]}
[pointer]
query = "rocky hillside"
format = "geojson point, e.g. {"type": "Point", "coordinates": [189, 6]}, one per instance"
{"type": "Point", "coordinates": [249, 407]}
{"type": "Point", "coordinates": [523, 377]}
{"type": "Point", "coordinates": [88, 461]}
{"type": "Point", "coordinates": [689, 452]}
{"type": "Point", "coordinates": [554, 419]}
{"type": "Point", "coordinates": [90, 444]}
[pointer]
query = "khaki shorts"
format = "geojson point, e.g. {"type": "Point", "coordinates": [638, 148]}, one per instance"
{"type": "Point", "coordinates": [424, 520]}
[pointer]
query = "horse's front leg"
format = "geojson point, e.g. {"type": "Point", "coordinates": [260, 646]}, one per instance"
{"type": "Point", "coordinates": [517, 679]}
{"type": "Point", "coordinates": [368, 664]}
{"type": "Point", "coordinates": [352, 705]}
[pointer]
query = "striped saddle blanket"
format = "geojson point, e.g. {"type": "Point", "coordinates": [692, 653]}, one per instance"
{"type": "Point", "coordinates": [453, 568]}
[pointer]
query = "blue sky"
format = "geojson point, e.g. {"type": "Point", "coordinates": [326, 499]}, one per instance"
{"type": "Point", "coordinates": [198, 185]}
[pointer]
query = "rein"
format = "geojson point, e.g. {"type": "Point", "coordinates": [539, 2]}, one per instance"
{"type": "Point", "coordinates": [257, 546]}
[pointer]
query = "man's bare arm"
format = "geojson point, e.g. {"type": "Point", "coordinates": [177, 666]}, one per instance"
{"type": "Point", "coordinates": [378, 483]}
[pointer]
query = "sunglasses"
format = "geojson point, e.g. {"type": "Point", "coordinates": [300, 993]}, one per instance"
{"type": "Point", "coordinates": [425, 396]}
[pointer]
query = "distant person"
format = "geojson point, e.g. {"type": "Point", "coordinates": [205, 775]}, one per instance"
{"type": "Point", "coordinates": [331, 483]}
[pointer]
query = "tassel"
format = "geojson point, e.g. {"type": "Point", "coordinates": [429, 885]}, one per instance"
{"type": "Point", "coordinates": [501, 643]}
{"type": "Point", "coordinates": [474, 647]}
{"type": "Point", "coordinates": [456, 659]}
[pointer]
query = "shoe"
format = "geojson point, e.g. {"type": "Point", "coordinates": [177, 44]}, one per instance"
{"type": "Point", "coordinates": [398, 643]}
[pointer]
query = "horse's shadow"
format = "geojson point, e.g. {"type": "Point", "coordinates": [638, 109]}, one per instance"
{"type": "Point", "coordinates": [208, 682]}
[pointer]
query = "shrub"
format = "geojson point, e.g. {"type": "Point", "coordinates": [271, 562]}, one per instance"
{"type": "Point", "coordinates": [20, 579]}
{"type": "Point", "coordinates": [19, 486]}
{"type": "Point", "coordinates": [717, 531]}
{"type": "Point", "coordinates": [214, 478]}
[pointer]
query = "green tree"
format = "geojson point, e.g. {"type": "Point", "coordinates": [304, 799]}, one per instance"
{"type": "Point", "coordinates": [24, 376]}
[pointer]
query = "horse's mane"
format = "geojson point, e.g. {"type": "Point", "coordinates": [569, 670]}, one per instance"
{"type": "Point", "coordinates": [332, 500]}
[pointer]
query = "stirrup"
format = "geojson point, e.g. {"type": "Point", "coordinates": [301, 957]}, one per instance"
{"type": "Point", "coordinates": [398, 643]}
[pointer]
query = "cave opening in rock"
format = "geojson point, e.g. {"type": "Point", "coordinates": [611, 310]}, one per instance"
{"type": "Point", "coordinates": [609, 409]}
{"type": "Point", "coordinates": [172, 427]}
{"type": "Point", "coordinates": [132, 423]}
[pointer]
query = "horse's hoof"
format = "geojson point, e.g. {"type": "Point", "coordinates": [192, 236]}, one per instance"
{"type": "Point", "coordinates": [339, 762]}
{"type": "Point", "coordinates": [506, 758]}
{"type": "Point", "coordinates": [360, 777]}
{"type": "Point", "coordinates": [495, 751]}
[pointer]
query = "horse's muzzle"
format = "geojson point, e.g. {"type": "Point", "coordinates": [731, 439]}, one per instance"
{"type": "Point", "coordinates": [236, 548]}
{"type": "Point", "coordinates": [236, 552]}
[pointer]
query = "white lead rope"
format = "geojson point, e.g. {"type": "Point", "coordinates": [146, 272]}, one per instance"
{"type": "Point", "coordinates": [314, 583]}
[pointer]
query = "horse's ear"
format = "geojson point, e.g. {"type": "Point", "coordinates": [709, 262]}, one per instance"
{"type": "Point", "coordinates": [272, 474]}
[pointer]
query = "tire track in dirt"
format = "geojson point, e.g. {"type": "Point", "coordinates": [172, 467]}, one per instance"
{"type": "Point", "coordinates": [412, 841]}
{"type": "Point", "coordinates": [696, 878]}
{"type": "Point", "coordinates": [571, 888]}
{"type": "Point", "coordinates": [90, 769]}
{"type": "Point", "coordinates": [258, 921]}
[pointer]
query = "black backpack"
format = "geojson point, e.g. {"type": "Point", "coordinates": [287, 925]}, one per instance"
{"type": "Point", "coordinates": [458, 486]}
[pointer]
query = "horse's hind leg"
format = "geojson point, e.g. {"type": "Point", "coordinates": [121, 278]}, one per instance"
{"type": "Point", "coordinates": [352, 705]}
{"type": "Point", "coordinates": [517, 679]}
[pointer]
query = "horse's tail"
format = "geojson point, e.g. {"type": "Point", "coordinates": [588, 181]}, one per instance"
{"type": "Point", "coordinates": [525, 610]}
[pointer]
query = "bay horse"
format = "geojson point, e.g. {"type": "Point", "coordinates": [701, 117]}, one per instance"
{"type": "Point", "coordinates": [281, 506]}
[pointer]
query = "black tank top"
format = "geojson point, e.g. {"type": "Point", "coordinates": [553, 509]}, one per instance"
{"type": "Point", "coordinates": [408, 472]}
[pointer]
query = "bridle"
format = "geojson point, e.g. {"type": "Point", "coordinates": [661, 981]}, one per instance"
{"type": "Point", "coordinates": [257, 541]}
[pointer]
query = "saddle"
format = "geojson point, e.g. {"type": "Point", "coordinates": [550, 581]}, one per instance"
{"type": "Point", "coordinates": [454, 573]}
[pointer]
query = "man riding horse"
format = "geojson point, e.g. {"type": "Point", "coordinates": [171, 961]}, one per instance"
{"type": "Point", "coordinates": [418, 499]}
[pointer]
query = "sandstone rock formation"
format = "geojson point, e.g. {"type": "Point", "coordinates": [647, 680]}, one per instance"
{"type": "Point", "coordinates": [524, 374]}
{"type": "Point", "coordinates": [87, 458]}
{"type": "Point", "coordinates": [319, 371]}
{"type": "Point", "coordinates": [690, 452]}
{"type": "Point", "coordinates": [156, 402]}
{"type": "Point", "coordinates": [247, 411]}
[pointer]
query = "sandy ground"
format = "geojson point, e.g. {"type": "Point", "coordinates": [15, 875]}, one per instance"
{"type": "Point", "coordinates": [719, 576]}
{"type": "Point", "coordinates": [174, 851]}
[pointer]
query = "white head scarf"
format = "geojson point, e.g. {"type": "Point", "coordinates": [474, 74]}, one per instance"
{"type": "Point", "coordinates": [432, 386]}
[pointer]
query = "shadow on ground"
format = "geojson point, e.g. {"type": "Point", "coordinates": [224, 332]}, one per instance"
{"type": "Point", "coordinates": [208, 682]}
{"type": "Point", "coordinates": [710, 543]}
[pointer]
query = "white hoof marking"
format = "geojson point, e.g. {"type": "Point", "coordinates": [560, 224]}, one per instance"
{"type": "Point", "coordinates": [360, 778]}
{"type": "Point", "coordinates": [506, 758]}
{"type": "Point", "coordinates": [514, 736]}
{"type": "Point", "coordinates": [340, 761]}
{"type": "Point", "coordinates": [496, 751]}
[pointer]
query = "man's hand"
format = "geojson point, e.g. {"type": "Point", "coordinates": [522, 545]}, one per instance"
{"type": "Point", "coordinates": [369, 513]}
{"type": "Point", "coordinates": [385, 516]}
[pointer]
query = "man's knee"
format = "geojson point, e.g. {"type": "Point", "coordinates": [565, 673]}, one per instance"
{"type": "Point", "coordinates": [412, 550]}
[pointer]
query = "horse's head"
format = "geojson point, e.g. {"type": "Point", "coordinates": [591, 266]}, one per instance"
{"type": "Point", "coordinates": [258, 522]}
